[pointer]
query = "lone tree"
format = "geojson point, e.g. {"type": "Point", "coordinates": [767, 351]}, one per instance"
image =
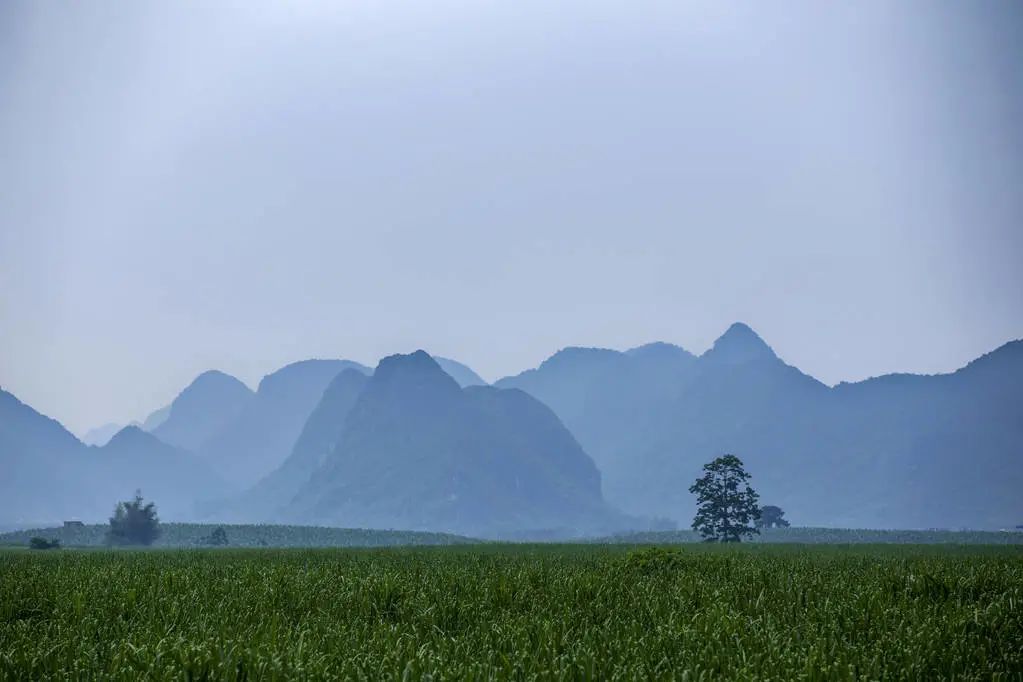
{"type": "Point", "coordinates": [218, 538]}
{"type": "Point", "coordinates": [772, 517]}
{"type": "Point", "coordinates": [726, 504]}
{"type": "Point", "coordinates": [134, 523]}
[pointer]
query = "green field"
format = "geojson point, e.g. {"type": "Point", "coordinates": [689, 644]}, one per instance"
{"type": "Point", "coordinates": [179, 535]}
{"type": "Point", "coordinates": [831, 536]}
{"type": "Point", "coordinates": [182, 535]}
{"type": "Point", "coordinates": [515, 612]}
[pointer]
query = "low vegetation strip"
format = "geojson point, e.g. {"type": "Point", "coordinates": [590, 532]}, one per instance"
{"type": "Point", "coordinates": [181, 535]}
{"type": "Point", "coordinates": [185, 535]}
{"type": "Point", "coordinates": [838, 536]}
{"type": "Point", "coordinates": [515, 612]}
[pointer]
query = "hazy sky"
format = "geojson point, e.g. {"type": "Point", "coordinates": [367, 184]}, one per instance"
{"type": "Point", "coordinates": [186, 186]}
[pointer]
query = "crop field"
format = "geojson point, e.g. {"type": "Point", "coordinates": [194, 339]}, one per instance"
{"type": "Point", "coordinates": [762, 611]}
{"type": "Point", "coordinates": [186, 535]}
{"type": "Point", "coordinates": [830, 536]}
{"type": "Point", "coordinates": [247, 535]}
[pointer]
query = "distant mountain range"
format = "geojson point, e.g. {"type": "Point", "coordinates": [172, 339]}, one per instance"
{"type": "Point", "coordinates": [899, 451]}
{"type": "Point", "coordinates": [262, 434]}
{"type": "Point", "coordinates": [463, 374]}
{"type": "Point", "coordinates": [418, 451]}
{"type": "Point", "coordinates": [206, 407]}
{"type": "Point", "coordinates": [424, 443]}
{"type": "Point", "coordinates": [215, 440]}
{"type": "Point", "coordinates": [48, 475]}
{"type": "Point", "coordinates": [270, 497]}
{"type": "Point", "coordinates": [101, 435]}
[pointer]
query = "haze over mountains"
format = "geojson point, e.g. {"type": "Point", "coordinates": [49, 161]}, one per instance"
{"type": "Point", "coordinates": [591, 441]}
{"type": "Point", "coordinates": [49, 475]}
{"type": "Point", "coordinates": [203, 410]}
{"type": "Point", "coordinates": [897, 451]}
{"type": "Point", "coordinates": [419, 451]}
{"type": "Point", "coordinates": [268, 499]}
{"type": "Point", "coordinates": [259, 438]}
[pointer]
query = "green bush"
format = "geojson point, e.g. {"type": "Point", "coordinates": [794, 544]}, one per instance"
{"type": "Point", "coordinates": [134, 523]}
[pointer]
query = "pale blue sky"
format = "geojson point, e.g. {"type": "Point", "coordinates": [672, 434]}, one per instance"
{"type": "Point", "coordinates": [186, 186]}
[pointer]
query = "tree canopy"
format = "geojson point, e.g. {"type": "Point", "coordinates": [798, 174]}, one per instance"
{"type": "Point", "coordinates": [772, 516]}
{"type": "Point", "coordinates": [726, 504]}
{"type": "Point", "coordinates": [134, 523]}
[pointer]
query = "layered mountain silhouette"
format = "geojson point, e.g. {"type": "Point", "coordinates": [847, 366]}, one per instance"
{"type": "Point", "coordinates": [268, 499]}
{"type": "Point", "coordinates": [417, 451]}
{"type": "Point", "coordinates": [49, 475]}
{"type": "Point", "coordinates": [156, 418]}
{"type": "Point", "coordinates": [38, 455]}
{"type": "Point", "coordinates": [137, 460]}
{"type": "Point", "coordinates": [206, 406]}
{"type": "Point", "coordinates": [101, 435]}
{"type": "Point", "coordinates": [263, 433]}
{"type": "Point", "coordinates": [463, 374]}
{"type": "Point", "coordinates": [418, 444]}
{"type": "Point", "coordinates": [897, 451]}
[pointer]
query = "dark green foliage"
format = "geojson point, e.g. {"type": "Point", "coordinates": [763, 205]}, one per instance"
{"type": "Point", "coordinates": [182, 535]}
{"type": "Point", "coordinates": [134, 523]}
{"type": "Point", "coordinates": [218, 538]}
{"type": "Point", "coordinates": [42, 543]}
{"type": "Point", "coordinates": [703, 612]}
{"type": "Point", "coordinates": [655, 560]}
{"type": "Point", "coordinates": [772, 516]}
{"type": "Point", "coordinates": [185, 535]}
{"type": "Point", "coordinates": [826, 536]}
{"type": "Point", "coordinates": [726, 504]}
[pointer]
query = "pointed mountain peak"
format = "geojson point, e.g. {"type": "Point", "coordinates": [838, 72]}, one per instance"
{"type": "Point", "coordinates": [739, 344]}
{"type": "Point", "coordinates": [414, 372]}
{"type": "Point", "coordinates": [419, 361]}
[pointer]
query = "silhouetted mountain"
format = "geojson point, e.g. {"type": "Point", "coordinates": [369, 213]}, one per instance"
{"type": "Point", "coordinates": [896, 451]}
{"type": "Point", "coordinates": [739, 345]}
{"type": "Point", "coordinates": [262, 435]}
{"type": "Point", "coordinates": [135, 460]}
{"type": "Point", "coordinates": [419, 452]}
{"type": "Point", "coordinates": [48, 475]}
{"type": "Point", "coordinates": [322, 430]}
{"type": "Point", "coordinates": [206, 406]}
{"type": "Point", "coordinates": [459, 372]}
{"type": "Point", "coordinates": [612, 401]}
{"type": "Point", "coordinates": [409, 448]}
{"type": "Point", "coordinates": [40, 462]}
{"type": "Point", "coordinates": [101, 435]}
{"type": "Point", "coordinates": [156, 418]}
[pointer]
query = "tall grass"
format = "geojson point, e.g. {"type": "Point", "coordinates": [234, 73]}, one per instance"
{"type": "Point", "coordinates": [515, 612]}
